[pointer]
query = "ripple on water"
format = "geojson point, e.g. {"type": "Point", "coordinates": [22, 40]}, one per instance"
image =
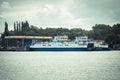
{"type": "Point", "coordinates": [60, 65]}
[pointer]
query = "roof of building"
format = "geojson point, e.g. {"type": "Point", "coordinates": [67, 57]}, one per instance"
{"type": "Point", "coordinates": [27, 37]}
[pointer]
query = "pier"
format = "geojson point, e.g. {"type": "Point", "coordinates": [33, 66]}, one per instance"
{"type": "Point", "coordinates": [22, 43]}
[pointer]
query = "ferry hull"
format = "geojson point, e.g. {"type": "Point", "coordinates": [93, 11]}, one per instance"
{"type": "Point", "coordinates": [102, 49]}
{"type": "Point", "coordinates": [60, 49]}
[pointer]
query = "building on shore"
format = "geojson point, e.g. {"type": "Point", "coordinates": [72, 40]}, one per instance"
{"type": "Point", "coordinates": [23, 42]}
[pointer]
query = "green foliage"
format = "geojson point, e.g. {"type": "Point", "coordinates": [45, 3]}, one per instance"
{"type": "Point", "coordinates": [113, 39]}
{"type": "Point", "coordinates": [99, 31]}
{"type": "Point", "coordinates": [6, 31]}
{"type": "Point", "coordinates": [116, 29]}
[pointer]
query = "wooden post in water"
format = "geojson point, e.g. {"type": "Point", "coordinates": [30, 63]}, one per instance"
{"type": "Point", "coordinates": [7, 43]}
{"type": "Point", "coordinates": [22, 43]}
{"type": "Point", "coordinates": [16, 44]}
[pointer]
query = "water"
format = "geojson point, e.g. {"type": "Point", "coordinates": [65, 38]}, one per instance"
{"type": "Point", "coordinates": [60, 65]}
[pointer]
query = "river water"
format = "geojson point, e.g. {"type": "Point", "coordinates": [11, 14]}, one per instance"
{"type": "Point", "coordinates": [96, 65]}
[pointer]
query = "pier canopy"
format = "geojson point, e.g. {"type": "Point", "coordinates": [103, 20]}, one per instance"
{"type": "Point", "coordinates": [28, 37]}
{"type": "Point", "coordinates": [21, 42]}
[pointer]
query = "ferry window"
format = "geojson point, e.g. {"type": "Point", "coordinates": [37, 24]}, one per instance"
{"type": "Point", "coordinates": [49, 45]}
{"type": "Point", "coordinates": [44, 45]}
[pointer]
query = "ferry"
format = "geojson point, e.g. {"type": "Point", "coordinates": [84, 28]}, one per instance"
{"type": "Point", "coordinates": [59, 46]}
{"type": "Point", "coordinates": [61, 43]}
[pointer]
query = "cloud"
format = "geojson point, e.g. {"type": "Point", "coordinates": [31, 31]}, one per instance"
{"type": "Point", "coordinates": [57, 15]}
{"type": "Point", "coordinates": [62, 13]}
{"type": "Point", "coordinates": [5, 5]}
{"type": "Point", "coordinates": [47, 9]}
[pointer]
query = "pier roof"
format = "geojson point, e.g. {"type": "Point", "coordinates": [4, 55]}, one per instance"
{"type": "Point", "coordinates": [28, 37]}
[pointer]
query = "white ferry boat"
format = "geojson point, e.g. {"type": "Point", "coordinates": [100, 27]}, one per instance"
{"type": "Point", "coordinates": [61, 43]}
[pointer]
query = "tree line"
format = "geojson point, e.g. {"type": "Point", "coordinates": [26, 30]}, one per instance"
{"type": "Point", "coordinates": [111, 34]}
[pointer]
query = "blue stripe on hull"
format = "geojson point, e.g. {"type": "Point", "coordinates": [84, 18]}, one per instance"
{"type": "Point", "coordinates": [58, 49]}
{"type": "Point", "coordinates": [105, 49]}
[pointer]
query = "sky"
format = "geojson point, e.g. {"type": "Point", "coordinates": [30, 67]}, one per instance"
{"type": "Point", "coordinates": [60, 13]}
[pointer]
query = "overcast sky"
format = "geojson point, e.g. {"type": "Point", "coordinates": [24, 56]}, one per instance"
{"type": "Point", "coordinates": [60, 13]}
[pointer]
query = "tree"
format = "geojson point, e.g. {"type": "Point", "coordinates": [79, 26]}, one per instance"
{"type": "Point", "coordinates": [101, 31]}
{"type": "Point", "coordinates": [27, 24]}
{"type": "Point", "coordinates": [17, 26]}
{"type": "Point", "coordinates": [113, 39]}
{"type": "Point", "coordinates": [6, 31]}
{"type": "Point", "coordinates": [14, 26]}
{"type": "Point", "coordinates": [116, 29]}
{"type": "Point", "coordinates": [22, 25]}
